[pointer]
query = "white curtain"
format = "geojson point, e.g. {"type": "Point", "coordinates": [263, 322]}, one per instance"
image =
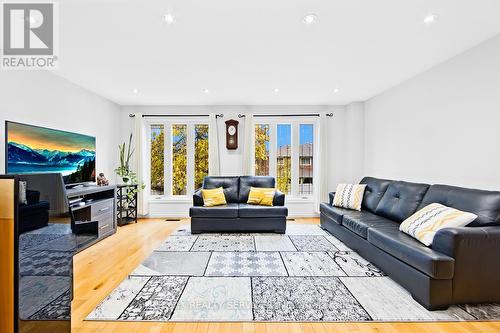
{"type": "Point", "coordinates": [249, 147]}
{"type": "Point", "coordinates": [213, 146]}
{"type": "Point", "coordinates": [140, 164]}
{"type": "Point", "coordinates": [321, 180]}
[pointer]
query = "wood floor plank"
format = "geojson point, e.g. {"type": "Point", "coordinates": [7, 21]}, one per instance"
{"type": "Point", "coordinates": [101, 268]}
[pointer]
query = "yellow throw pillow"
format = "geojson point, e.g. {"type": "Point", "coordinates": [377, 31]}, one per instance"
{"type": "Point", "coordinates": [261, 196]}
{"type": "Point", "coordinates": [213, 197]}
{"type": "Point", "coordinates": [425, 223]}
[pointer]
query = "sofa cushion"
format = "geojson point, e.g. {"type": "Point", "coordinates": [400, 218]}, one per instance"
{"type": "Point", "coordinates": [226, 211]}
{"type": "Point", "coordinates": [359, 224]}
{"type": "Point", "coordinates": [213, 197]}
{"type": "Point", "coordinates": [40, 206]}
{"type": "Point", "coordinates": [246, 182]}
{"type": "Point", "coordinates": [485, 204]}
{"type": "Point", "coordinates": [247, 210]}
{"type": "Point", "coordinates": [229, 184]}
{"type": "Point", "coordinates": [411, 251]}
{"type": "Point", "coordinates": [400, 200]}
{"type": "Point", "coordinates": [375, 189]}
{"type": "Point", "coordinates": [426, 222]}
{"type": "Point", "coordinates": [263, 196]}
{"type": "Point", "coordinates": [335, 213]}
{"type": "Point", "coordinates": [349, 196]}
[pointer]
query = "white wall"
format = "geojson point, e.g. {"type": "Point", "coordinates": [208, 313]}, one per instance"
{"type": "Point", "coordinates": [441, 126]}
{"type": "Point", "coordinates": [44, 99]}
{"type": "Point", "coordinates": [231, 160]}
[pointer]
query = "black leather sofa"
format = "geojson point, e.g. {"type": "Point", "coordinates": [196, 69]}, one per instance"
{"type": "Point", "coordinates": [34, 214]}
{"type": "Point", "coordinates": [463, 264]}
{"type": "Point", "coordinates": [237, 215]}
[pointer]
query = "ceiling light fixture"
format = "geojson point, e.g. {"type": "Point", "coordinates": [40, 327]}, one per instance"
{"type": "Point", "coordinates": [206, 91]}
{"type": "Point", "coordinates": [431, 18]}
{"type": "Point", "coordinates": [135, 91]}
{"type": "Point", "coordinates": [310, 19]}
{"type": "Point", "coordinates": [168, 18]}
{"type": "Point", "coordinates": [336, 90]}
{"type": "Point", "coordinates": [276, 90]}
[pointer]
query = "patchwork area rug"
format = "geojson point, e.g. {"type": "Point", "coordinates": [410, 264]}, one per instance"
{"type": "Point", "coordinates": [304, 275]}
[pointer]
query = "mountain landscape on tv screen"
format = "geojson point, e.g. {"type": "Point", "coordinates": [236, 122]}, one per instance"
{"type": "Point", "coordinates": [75, 166]}
{"type": "Point", "coordinates": [35, 149]}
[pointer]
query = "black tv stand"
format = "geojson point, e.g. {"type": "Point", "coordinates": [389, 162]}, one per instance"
{"type": "Point", "coordinates": [92, 210]}
{"type": "Point", "coordinates": [82, 185]}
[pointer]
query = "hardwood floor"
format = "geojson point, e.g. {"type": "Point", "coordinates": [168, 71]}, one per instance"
{"type": "Point", "coordinates": [99, 269]}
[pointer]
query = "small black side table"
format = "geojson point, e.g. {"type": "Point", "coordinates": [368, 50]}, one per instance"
{"type": "Point", "coordinates": [126, 204]}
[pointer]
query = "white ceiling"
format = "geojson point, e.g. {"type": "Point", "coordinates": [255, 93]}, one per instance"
{"type": "Point", "coordinates": [242, 50]}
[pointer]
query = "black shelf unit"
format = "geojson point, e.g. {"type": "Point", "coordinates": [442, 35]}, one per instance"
{"type": "Point", "coordinates": [92, 210]}
{"type": "Point", "coordinates": [126, 205]}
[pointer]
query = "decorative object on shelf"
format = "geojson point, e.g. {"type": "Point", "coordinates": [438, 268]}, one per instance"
{"type": "Point", "coordinates": [101, 180]}
{"type": "Point", "coordinates": [126, 204]}
{"type": "Point", "coordinates": [232, 134]}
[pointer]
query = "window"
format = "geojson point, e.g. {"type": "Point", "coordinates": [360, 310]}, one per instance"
{"type": "Point", "coordinates": [200, 154]}
{"type": "Point", "coordinates": [178, 156]}
{"type": "Point", "coordinates": [284, 158]}
{"type": "Point", "coordinates": [157, 159]}
{"type": "Point", "coordinates": [179, 160]}
{"type": "Point", "coordinates": [306, 152]}
{"type": "Point", "coordinates": [261, 150]}
{"type": "Point", "coordinates": [286, 151]}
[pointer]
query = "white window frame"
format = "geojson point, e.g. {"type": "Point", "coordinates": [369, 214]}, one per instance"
{"type": "Point", "coordinates": [295, 123]}
{"type": "Point", "coordinates": [167, 123]}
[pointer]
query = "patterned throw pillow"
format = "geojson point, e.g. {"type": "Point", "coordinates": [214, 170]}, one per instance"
{"type": "Point", "coordinates": [261, 196]}
{"type": "Point", "coordinates": [213, 197]}
{"type": "Point", "coordinates": [22, 192]}
{"type": "Point", "coordinates": [424, 224]}
{"type": "Point", "coordinates": [349, 196]}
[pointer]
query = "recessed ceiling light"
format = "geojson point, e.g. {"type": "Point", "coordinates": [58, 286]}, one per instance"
{"type": "Point", "coordinates": [431, 18]}
{"type": "Point", "coordinates": [135, 91]}
{"type": "Point", "coordinates": [206, 91]}
{"type": "Point", "coordinates": [310, 19]}
{"type": "Point", "coordinates": [276, 90]}
{"type": "Point", "coordinates": [336, 90]}
{"type": "Point", "coordinates": [168, 18]}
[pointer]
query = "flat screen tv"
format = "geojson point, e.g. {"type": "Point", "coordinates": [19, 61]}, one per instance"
{"type": "Point", "coordinates": [34, 149]}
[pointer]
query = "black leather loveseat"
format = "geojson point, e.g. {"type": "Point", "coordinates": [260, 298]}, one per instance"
{"type": "Point", "coordinates": [237, 215]}
{"type": "Point", "coordinates": [463, 264]}
{"type": "Point", "coordinates": [34, 214]}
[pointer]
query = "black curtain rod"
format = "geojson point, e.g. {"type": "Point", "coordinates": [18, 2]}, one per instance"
{"type": "Point", "coordinates": [287, 115]}
{"type": "Point", "coordinates": [176, 115]}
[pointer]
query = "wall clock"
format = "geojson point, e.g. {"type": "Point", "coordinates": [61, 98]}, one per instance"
{"type": "Point", "coordinates": [232, 134]}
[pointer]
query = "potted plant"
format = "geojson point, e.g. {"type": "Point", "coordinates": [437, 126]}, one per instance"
{"type": "Point", "coordinates": [124, 171]}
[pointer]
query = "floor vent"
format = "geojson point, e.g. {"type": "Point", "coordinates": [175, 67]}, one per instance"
{"type": "Point", "coordinates": [172, 220]}
{"type": "Point", "coordinates": [290, 219]}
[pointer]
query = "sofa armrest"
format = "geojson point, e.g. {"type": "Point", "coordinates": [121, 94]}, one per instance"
{"type": "Point", "coordinates": [481, 243]}
{"type": "Point", "coordinates": [477, 268]}
{"type": "Point", "coordinates": [197, 198]}
{"type": "Point", "coordinates": [279, 198]}
{"type": "Point", "coordinates": [331, 195]}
